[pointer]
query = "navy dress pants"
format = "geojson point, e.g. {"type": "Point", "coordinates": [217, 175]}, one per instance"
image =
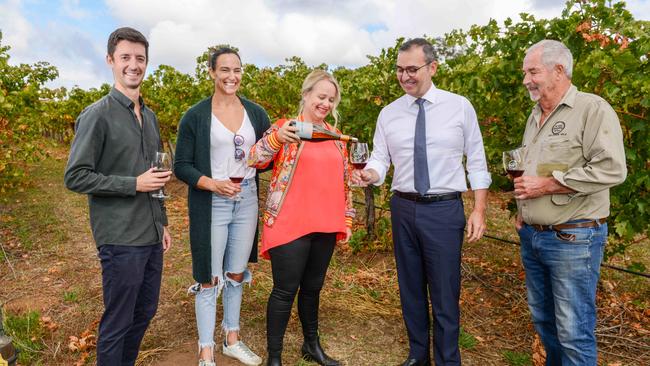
{"type": "Point", "coordinates": [427, 238]}
{"type": "Point", "coordinates": [131, 285]}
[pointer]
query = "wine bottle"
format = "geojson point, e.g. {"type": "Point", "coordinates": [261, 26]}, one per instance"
{"type": "Point", "coordinates": [317, 133]}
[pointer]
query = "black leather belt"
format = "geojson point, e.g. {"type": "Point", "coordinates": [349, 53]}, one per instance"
{"type": "Point", "coordinates": [560, 227]}
{"type": "Point", "coordinates": [416, 197]}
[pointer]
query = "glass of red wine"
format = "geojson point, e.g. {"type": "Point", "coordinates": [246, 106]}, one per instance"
{"type": "Point", "coordinates": [513, 162]}
{"type": "Point", "coordinates": [236, 173]}
{"type": "Point", "coordinates": [161, 163]}
{"type": "Point", "coordinates": [359, 155]}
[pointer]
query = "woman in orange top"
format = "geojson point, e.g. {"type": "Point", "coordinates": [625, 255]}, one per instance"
{"type": "Point", "coordinates": [309, 208]}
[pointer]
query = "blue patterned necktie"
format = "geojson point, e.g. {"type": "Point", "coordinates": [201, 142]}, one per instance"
{"type": "Point", "coordinates": [420, 166]}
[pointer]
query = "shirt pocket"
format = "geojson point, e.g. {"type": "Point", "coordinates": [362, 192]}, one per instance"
{"type": "Point", "coordinates": [557, 155]}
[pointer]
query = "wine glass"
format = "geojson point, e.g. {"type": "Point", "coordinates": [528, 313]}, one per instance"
{"type": "Point", "coordinates": [236, 173]}
{"type": "Point", "coordinates": [513, 162]}
{"type": "Point", "coordinates": [359, 155]}
{"type": "Point", "coordinates": [161, 163]}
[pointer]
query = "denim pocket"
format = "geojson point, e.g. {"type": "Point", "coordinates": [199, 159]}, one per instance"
{"type": "Point", "coordinates": [575, 236]}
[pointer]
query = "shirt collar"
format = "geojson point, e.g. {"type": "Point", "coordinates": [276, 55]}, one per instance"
{"type": "Point", "coordinates": [124, 100]}
{"type": "Point", "coordinates": [570, 96]}
{"type": "Point", "coordinates": [430, 96]}
{"type": "Point", "coordinates": [568, 99]}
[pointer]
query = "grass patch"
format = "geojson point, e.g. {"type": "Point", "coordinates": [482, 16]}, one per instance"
{"type": "Point", "coordinates": [517, 358]}
{"type": "Point", "coordinates": [31, 214]}
{"type": "Point", "coordinates": [71, 296]}
{"type": "Point", "coordinates": [466, 340]}
{"type": "Point", "coordinates": [26, 333]}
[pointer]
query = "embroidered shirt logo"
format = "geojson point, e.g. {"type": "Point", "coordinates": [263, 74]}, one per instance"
{"type": "Point", "coordinates": [558, 127]}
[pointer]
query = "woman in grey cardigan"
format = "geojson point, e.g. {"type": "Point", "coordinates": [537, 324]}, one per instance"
{"type": "Point", "coordinates": [214, 137]}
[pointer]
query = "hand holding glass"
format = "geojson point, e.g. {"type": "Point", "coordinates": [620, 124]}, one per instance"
{"type": "Point", "coordinates": [513, 162]}
{"type": "Point", "coordinates": [161, 163]}
{"type": "Point", "coordinates": [236, 173]}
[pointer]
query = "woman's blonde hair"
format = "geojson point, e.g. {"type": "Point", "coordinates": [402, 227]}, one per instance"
{"type": "Point", "coordinates": [311, 80]}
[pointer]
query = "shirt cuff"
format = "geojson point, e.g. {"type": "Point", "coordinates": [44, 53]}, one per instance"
{"type": "Point", "coordinates": [559, 176]}
{"type": "Point", "coordinates": [380, 169]}
{"type": "Point", "coordinates": [562, 199]}
{"type": "Point", "coordinates": [479, 180]}
{"type": "Point", "coordinates": [129, 185]}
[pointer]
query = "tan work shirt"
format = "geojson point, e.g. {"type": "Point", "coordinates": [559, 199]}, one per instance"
{"type": "Point", "coordinates": [581, 145]}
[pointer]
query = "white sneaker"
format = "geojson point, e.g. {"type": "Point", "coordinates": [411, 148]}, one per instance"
{"type": "Point", "coordinates": [241, 352]}
{"type": "Point", "coordinates": [206, 363]}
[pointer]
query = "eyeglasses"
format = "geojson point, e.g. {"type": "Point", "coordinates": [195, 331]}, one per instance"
{"type": "Point", "coordinates": [238, 140]}
{"type": "Point", "coordinates": [410, 70]}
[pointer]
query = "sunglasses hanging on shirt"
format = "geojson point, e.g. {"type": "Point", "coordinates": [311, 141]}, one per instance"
{"type": "Point", "coordinates": [238, 140]}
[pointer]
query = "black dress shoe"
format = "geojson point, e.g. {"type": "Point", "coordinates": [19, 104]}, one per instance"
{"type": "Point", "coordinates": [416, 362]}
{"type": "Point", "coordinates": [312, 351]}
{"type": "Point", "coordinates": [274, 361]}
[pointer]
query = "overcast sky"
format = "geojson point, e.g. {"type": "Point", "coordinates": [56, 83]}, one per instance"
{"type": "Point", "coordinates": [72, 34]}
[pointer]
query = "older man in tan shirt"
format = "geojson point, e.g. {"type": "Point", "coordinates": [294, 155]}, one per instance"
{"type": "Point", "coordinates": [573, 154]}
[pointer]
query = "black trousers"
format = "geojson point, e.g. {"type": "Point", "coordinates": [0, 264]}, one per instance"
{"type": "Point", "coordinates": [427, 239]}
{"type": "Point", "coordinates": [298, 267]}
{"type": "Point", "coordinates": [131, 285]}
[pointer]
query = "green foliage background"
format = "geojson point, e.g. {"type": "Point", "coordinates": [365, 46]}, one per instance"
{"type": "Point", "coordinates": [483, 63]}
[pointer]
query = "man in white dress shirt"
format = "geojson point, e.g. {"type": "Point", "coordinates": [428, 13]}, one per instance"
{"type": "Point", "coordinates": [425, 134]}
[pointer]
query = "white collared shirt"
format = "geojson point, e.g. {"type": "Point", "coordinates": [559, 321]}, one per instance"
{"type": "Point", "coordinates": [452, 131]}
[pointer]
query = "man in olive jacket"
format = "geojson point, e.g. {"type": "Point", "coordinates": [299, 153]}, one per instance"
{"type": "Point", "coordinates": [116, 138]}
{"type": "Point", "coordinates": [574, 155]}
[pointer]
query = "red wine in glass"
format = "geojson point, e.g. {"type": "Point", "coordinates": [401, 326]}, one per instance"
{"type": "Point", "coordinates": [359, 165]}
{"type": "Point", "coordinates": [514, 173]}
{"type": "Point", "coordinates": [513, 162]}
{"type": "Point", "coordinates": [236, 179]}
{"type": "Point", "coordinates": [161, 163]}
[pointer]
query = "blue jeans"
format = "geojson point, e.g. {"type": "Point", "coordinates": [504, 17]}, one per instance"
{"type": "Point", "coordinates": [131, 286]}
{"type": "Point", "coordinates": [561, 279]}
{"type": "Point", "coordinates": [233, 231]}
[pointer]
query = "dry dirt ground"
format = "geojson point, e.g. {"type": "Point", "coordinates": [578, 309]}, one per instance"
{"type": "Point", "coordinates": [51, 267]}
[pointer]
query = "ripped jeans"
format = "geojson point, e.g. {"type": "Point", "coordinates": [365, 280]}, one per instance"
{"type": "Point", "coordinates": [232, 234]}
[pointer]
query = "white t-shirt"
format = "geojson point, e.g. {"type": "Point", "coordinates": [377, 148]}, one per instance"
{"type": "Point", "coordinates": [222, 149]}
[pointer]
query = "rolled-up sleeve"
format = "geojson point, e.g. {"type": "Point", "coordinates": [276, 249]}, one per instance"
{"type": "Point", "coordinates": [380, 158]}
{"type": "Point", "coordinates": [477, 172]}
{"type": "Point", "coordinates": [604, 151]}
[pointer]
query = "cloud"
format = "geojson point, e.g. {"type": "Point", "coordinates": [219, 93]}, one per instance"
{"type": "Point", "coordinates": [264, 33]}
{"type": "Point", "coordinates": [545, 4]}
{"type": "Point", "coordinates": [78, 57]}
{"type": "Point", "coordinates": [71, 34]}
{"type": "Point", "coordinates": [640, 9]}
{"type": "Point", "coordinates": [17, 32]}
{"type": "Point", "coordinates": [335, 32]}
{"type": "Point", "coordinates": [73, 10]}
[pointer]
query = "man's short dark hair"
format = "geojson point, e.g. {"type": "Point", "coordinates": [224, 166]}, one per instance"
{"type": "Point", "coordinates": [126, 34]}
{"type": "Point", "coordinates": [214, 55]}
{"type": "Point", "coordinates": [427, 48]}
